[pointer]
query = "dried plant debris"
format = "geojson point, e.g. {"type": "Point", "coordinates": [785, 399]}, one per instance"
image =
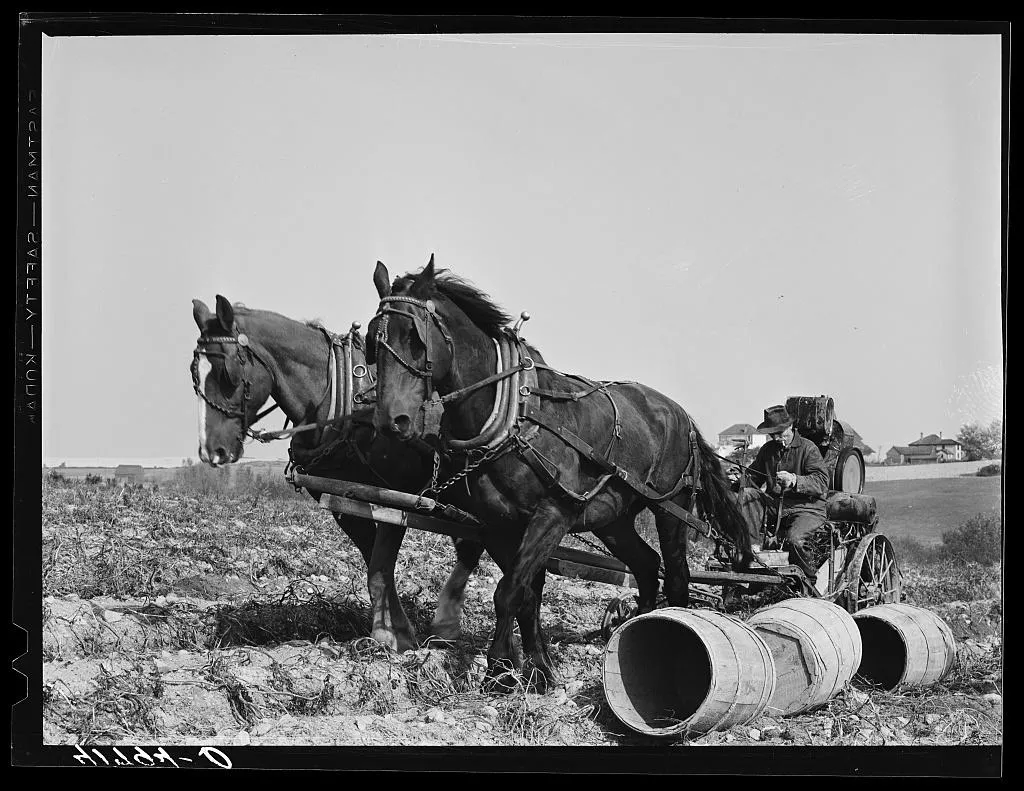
{"type": "Point", "coordinates": [177, 617]}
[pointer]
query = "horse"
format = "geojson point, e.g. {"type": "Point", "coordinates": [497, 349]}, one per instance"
{"type": "Point", "coordinates": [436, 340]}
{"type": "Point", "coordinates": [245, 357]}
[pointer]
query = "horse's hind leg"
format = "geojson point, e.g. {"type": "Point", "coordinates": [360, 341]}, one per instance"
{"type": "Point", "coordinates": [514, 597]}
{"type": "Point", "coordinates": [624, 543]}
{"type": "Point", "coordinates": [672, 538]}
{"type": "Point", "coordinates": [361, 531]}
{"type": "Point", "coordinates": [390, 624]}
{"type": "Point", "coordinates": [448, 617]}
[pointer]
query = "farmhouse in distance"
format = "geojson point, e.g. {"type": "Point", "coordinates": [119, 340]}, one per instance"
{"type": "Point", "coordinates": [926, 450]}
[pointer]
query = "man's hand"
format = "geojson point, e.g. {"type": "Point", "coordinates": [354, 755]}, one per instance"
{"type": "Point", "coordinates": [786, 479]}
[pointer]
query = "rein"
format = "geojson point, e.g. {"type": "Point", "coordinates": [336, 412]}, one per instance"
{"type": "Point", "coordinates": [755, 472]}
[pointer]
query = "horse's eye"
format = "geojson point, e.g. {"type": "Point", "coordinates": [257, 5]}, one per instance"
{"type": "Point", "coordinates": [228, 377]}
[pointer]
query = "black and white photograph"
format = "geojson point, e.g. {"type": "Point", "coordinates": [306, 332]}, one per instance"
{"type": "Point", "coordinates": [521, 394]}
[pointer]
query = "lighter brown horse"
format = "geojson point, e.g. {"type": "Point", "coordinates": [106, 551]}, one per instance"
{"type": "Point", "coordinates": [245, 356]}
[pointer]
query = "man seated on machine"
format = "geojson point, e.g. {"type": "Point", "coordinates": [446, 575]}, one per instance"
{"type": "Point", "coordinates": [793, 474]}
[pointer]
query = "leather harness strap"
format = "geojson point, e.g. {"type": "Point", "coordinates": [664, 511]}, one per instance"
{"type": "Point", "coordinates": [610, 470]}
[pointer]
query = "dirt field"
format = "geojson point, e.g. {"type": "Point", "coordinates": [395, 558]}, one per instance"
{"type": "Point", "coordinates": [174, 619]}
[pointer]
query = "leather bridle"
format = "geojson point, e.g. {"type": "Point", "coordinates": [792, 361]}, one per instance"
{"type": "Point", "coordinates": [245, 355]}
{"type": "Point", "coordinates": [426, 308]}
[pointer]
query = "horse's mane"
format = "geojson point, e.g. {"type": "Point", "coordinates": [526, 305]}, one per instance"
{"type": "Point", "coordinates": [313, 324]}
{"type": "Point", "coordinates": [243, 311]}
{"type": "Point", "coordinates": [477, 305]}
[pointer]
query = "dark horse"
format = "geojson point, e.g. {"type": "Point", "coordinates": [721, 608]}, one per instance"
{"type": "Point", "coordinates": [246, 356]}
{"type": "Point", "coordinates": [434, 331]}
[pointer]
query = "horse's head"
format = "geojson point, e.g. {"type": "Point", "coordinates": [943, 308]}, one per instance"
{"type": "Point", "coordinates": [410, 342]}
{"type": "Point", "coordinates": [432, 332]}
{"type": "Point", "coordinates": [231, 380]}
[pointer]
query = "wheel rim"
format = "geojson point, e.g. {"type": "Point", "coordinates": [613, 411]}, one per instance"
{"type": "Point", "coordinates": [879, 580]}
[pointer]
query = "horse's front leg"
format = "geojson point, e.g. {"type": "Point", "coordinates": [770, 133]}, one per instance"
{"type": "Point", "coordinates": [447, 621]}
{"type": "Point", "coordinates": [361, 531]}
{"type": "Point", "coordinates": [390, 625]}
{"type": "Point", "coordinates": [514, 596]}
{"type": "Point", "coordinates": [672, 539]}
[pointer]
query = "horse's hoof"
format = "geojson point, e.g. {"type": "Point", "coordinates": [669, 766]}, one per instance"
{"type": "Point", "coordinates": [503, 683]}
{"type": "Point", "coordinates": [541, 680]}
{"type": "Point", "coordinates": [446, 630]}
{"type": "Point", "coordinates": [502, 677]}
{"type": "Point", "coordinates": [396, 641]}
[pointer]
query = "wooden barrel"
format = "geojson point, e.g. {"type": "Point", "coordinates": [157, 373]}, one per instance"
{"type": "Point", "coordinates": [813, 415]}
{"type": "Point", "coordinates": [849, 507]}
{"type": "Point", "coordinates": [904, 645]}
{"type": "Point", "coordinates": [848, 473]}
{"type": "Point", "coordinates": [675, 671]}
{"type": "Point", "coordinates": [816, 648]}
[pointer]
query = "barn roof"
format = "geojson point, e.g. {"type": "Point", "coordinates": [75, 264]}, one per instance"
{"type": "Point", "coordinates": [934, 439]}
{"type": "Point", "coordinates": [906, 450]}
{"type": "Point", "coordinates": [853, 438]}
{"type": "Point", "coordinates": [738, 428]}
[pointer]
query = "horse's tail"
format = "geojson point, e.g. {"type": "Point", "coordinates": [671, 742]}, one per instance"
{"type": "Point", "coordinates": [717, 501]}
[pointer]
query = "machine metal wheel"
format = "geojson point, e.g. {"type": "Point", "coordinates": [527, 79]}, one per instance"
{"type": "Point", "coordinates": [619, 610]}
{"type": "Point", "coordinates": [872, 576]}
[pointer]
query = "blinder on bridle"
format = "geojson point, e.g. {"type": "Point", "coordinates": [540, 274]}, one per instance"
{"type": "Point", "coordinates": [420, 327]}
{"type": "Point", "coordinates": [432, 408]}
{"type": "Point", "coordinates": [244, 356]}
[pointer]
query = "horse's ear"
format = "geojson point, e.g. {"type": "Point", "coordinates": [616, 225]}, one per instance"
{"type": "Point", "coordinates": [225, 314]}
{"type": "Point", "coordinates": [382, 280]}
{"type": "Point", "coordinates": [200, 313]}
{"type": "Point", "coordinates": [425, 280]}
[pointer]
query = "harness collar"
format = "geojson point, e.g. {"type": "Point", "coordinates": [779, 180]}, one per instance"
{"type": "Point", "coordinates": [515, 375]}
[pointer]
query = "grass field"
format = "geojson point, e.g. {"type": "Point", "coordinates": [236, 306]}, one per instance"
{"type": "Point", "coordinates": [924, 509]}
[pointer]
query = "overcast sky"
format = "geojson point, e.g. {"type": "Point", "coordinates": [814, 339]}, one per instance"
{"type": "Point", "coordinates": [731, 219]}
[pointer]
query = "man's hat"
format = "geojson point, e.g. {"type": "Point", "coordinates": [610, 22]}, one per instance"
{"type": "Point", "coordinates": [776, 419]}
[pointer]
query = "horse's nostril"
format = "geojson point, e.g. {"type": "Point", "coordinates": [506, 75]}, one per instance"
{"type": "Point", "coordinates": [402, 424]}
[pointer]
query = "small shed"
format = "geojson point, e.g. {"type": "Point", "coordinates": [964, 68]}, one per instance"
{"type": "Point", "coordinates": [126, 473]}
